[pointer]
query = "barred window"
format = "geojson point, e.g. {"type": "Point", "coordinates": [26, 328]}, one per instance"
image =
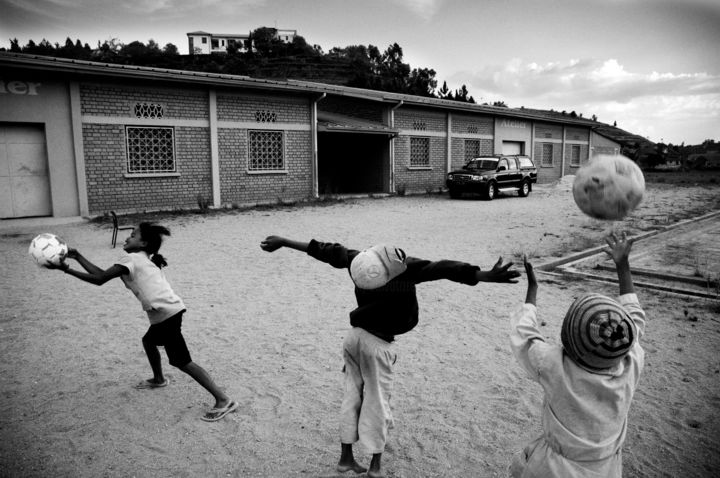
{"type": "Point", "coordinates": [547, 154]}
{"type": "Point", "coordinates": [575, 155]}
{"type": "Point", "coordinates": [148, 110]}
{"type": "Point", "coordinates": [266, 151]}
{"type": "Point", "coordinates": [419, 152]}
{"type": "Point", "coordinates": [150, 149]}
{"type": "Point", "coordinates": [419, 125]}
{"type": "Point", "coordinates": [472, 149]}
{"type": "Point", "coordinates": [472, 129]}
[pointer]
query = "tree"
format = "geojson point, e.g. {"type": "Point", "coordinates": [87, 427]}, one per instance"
{"type": "Point", "coordinates": [444, 93]}
{"type": "Point", "coordinates": [171, 50]}
{"type": "Point", "coordinates": [422, 82]}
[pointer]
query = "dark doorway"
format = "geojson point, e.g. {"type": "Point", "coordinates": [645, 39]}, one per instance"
{"type": "Point", "coordinates": [352, 163]}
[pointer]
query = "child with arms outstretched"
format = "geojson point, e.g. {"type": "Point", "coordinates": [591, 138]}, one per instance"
{"type": "Point", "coordinates": [387, 306]}
{"type": "Point", "coordinates": [588, 382]}
{"type": "Point", "coordinates": [140, 271]}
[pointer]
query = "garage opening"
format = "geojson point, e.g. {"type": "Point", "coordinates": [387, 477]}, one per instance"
{"type": "Point", "coordinates": [24, 180]}
{"type": "Point", "coordinates": [513, 147]}
{"type": "Point", "coordinates": [353, 155]}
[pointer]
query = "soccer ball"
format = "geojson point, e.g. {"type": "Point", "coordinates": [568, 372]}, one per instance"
{"type": "Point", "coordinates": [608, 187]}
{"type": "Point", "coordinates": [48, 249]}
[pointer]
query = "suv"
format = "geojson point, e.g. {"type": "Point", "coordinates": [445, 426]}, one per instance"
{"type": "Point", "coordinates": [489, 175]}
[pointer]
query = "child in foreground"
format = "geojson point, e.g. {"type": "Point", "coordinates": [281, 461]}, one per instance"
{"type": "Point", "coordinates": [140, 271]}
{"type": "Point", "coordinates": [589, 381]}
{"type": "Point", "coordinates": [385, 282]}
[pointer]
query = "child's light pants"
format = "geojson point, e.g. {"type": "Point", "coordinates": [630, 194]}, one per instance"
{"type": "Point", "coordinates": [365, 413]}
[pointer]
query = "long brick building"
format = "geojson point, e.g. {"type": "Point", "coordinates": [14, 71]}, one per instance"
{"type": "Point", "coordinates": [84, 138]}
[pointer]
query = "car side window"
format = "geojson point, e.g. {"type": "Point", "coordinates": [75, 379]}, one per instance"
{"type": "Point", "coordinates": [503, 164]}
{"type": "Point", "coordinates": [512, 164]}
{"type": "Point", "coordinates": [525, 162]}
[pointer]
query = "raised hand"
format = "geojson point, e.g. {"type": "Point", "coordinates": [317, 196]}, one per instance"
{"type": "Point", "coordinates": [618, 249]}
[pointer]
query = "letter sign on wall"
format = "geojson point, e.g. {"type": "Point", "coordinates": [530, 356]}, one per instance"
{"type": "Point", "coordinates": [15, 87]}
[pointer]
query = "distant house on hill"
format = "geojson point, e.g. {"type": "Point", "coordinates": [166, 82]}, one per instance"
{"type": "Point", "coordinates": [204, 43]}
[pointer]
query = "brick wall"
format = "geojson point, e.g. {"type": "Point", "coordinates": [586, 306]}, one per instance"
{"type": "Point", "coordinates": [577, 134]}
{"type": "Point", "coordinates": [462, 124]}
{"type": "Point", "coordinates": [545, 131]}
{"type": "Point", "coordinates": [238, 187]}
{"type": "Point", "coordinates": [458, 150]}
{"type": "Point", "coordinates": [420, 180]}
{"type": "Point", "coordinates": [548, 174]}
{"type": "Point", "coordinates": [584, 151]}
{"type": "Point", "coordinates": [354, 108]}
{"type": "Point", "coordinates": [106, 166]}
{"type": "Point", "coordinates": [110, 100]}
{"type": "Point", "coordinates": [418, 119]}
{"type": "Point", "coordinates": [267, 108]}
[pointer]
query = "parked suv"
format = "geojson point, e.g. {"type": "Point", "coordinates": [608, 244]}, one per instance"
{"type": "Point", "coordinates": [490, 175]}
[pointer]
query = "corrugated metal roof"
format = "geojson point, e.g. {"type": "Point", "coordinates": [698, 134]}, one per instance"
{"type": "Point", "coordinates": [65, 65]}
{"type": "Point", "coordinates": [337, 123]}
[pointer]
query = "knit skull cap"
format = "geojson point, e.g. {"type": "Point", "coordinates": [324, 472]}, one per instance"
{"type": "Point", "coordinates": [376, 266]}
{"type": "Point", "coordinates": [597, 332]}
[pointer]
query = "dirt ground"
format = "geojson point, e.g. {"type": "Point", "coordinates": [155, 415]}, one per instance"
{"type": "Point", "coordinates": [269, 328]}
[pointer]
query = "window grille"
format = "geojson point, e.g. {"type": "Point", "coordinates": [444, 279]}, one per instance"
{"type": "Point", "coordinates": [547, 154]}
{"type": "Point", "coordinates": [150, 150]}
{"type": "Point", "coordinates": [575, 155]}
{"type": "Point", "coordinates": [419, 152]}
{"type": "Point", "coordinates": [472, 129]}
{"type": "Point", "coordinates": [472, 149]}
{"type": "Point", "coordinates": [265, 116]}
{"type": "Point", "coordinates": [149, 110]}
{"type": "Point", "coordinates": [265, 151]}
{"type": "Point", "coordinates": [419, 125]}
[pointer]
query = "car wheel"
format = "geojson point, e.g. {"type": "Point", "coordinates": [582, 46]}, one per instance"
{"type": "Point", "coordinates": [455, 194]}
{"type": "Point", "coordinates": [524, 189]}
{"type": "Point", "coordinates": [491, 191]}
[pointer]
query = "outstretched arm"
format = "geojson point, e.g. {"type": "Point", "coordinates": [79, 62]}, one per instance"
{"type": "Point", "coordinates": [94, 275]}
{"type": "Point", "coordinates": [334, 254]}
{"type": "Point", "coordinates": [273, 243]}
{"type": "Point", "coordinates": [619, 250]}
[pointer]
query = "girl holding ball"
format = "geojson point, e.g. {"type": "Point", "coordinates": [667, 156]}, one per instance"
{"type": "Point", "coordinates": [141, 272]}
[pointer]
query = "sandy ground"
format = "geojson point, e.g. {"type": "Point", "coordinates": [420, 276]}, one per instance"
{"type": "Point", "coordinates": [269, 328]}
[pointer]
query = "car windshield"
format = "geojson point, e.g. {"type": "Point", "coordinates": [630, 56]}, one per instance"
{"type": "Point", "coordinates": [481, 164]}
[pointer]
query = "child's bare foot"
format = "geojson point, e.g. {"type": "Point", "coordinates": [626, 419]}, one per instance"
{"type": "Point", "coordinates": [152, 383]}
{"type": "Point", "coordinates": [352, 466]}
{"type": "Point", "coordinates": [375, 474]}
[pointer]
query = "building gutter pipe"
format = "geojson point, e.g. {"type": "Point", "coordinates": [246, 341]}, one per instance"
{"type": "Point", "coordinates": [314, 140]}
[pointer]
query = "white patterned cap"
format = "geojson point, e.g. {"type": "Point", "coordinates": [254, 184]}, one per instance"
{"type": "Point", "coordinates": [376, 266]}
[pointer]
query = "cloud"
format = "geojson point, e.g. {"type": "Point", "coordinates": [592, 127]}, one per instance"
{"type": "Point", "coordinates": [425, 9]}
{"type": "Point", "coordinates": [657, 104]}
{"type": "Point", "coordinates": [66, 10]}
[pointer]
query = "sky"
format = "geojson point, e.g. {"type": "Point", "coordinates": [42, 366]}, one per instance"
{"type": "Point", "coordinates": [652, 66]}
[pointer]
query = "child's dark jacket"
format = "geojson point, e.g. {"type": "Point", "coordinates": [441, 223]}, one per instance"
{"type": "Point", "coordinates": [392, 309]}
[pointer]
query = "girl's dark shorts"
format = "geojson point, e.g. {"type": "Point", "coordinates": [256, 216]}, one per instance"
{"type": "Point", "coordinates": [168, 334]}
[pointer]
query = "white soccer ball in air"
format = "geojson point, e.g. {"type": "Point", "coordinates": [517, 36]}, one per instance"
{"type": "Point", "coordinates": [48, 249]}
{"type": "Point", "coordinates": [608, 187]}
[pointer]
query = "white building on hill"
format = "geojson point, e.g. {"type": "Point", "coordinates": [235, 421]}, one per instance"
{"type": "Point", "coordinates": [204, 43]}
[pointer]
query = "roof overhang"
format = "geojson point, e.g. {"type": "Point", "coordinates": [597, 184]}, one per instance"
{"type": "Point", "coordinates": [336, 123]}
